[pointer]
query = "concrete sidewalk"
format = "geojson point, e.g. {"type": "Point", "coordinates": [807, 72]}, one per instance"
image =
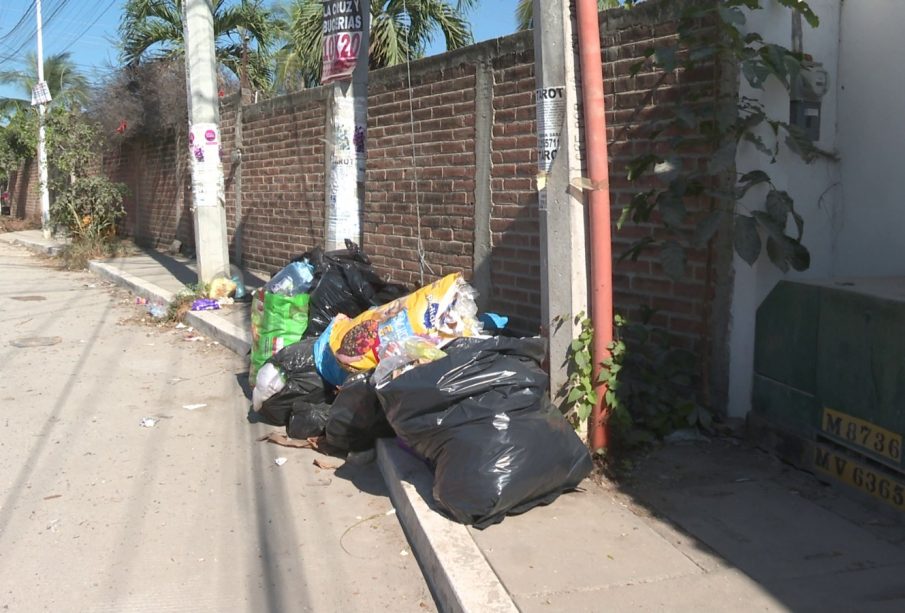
{"type": "Point", "coordinates": [708, 526]}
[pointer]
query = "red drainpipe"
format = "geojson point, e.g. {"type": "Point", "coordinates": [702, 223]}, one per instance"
{"type": "Point", "coordinates": [599, 203]}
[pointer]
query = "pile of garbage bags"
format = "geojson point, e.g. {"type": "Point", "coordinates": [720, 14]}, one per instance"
{"type": "Point", "coordinates": [419, 367]}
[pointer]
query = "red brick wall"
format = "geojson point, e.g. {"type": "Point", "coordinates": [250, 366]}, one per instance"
{"type": "Point", "coordinates": [283, 172]}
{"type": "Point", "coordinates": [439, 180]}
{"type": "Point", "coordinates": [633, 105]}
{"type": "Point", "coordinates": [282, 177]}
{"type": "Point", "coordinates": [514, 220]}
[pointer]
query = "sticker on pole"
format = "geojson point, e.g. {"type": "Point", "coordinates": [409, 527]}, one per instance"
{"type": "Point", "coordinates": [342, 39]}
{"type": "Point", "coordinates": [207, 171]}
{"type": "Point", "coordinates": [40, 94]}
{"type": "Point", "coordinates": [551, 109]}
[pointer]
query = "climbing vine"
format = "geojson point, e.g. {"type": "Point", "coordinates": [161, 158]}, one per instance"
{"type": "Point", "coordinates": [721, 124]}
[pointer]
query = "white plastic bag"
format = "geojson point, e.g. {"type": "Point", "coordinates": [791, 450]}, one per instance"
{"type": "Point", "coordinates": [269, 381]}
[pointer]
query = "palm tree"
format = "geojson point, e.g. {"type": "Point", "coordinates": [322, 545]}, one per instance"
{"type": "Point", "coordinates": [400, 30]}
{"type": "Point", "coordinates": [153, 29]}
{"type": "Point", "coordinates": [68, 87]}
{"type": "Point", "coordinates": [524, 11]}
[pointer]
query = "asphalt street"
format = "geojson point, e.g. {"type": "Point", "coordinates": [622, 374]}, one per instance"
{"type": "Point", "coordinates": [100, 513]}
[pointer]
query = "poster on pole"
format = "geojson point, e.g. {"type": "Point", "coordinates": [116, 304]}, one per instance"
{"type": "Point", "coordinates": [342, 39]}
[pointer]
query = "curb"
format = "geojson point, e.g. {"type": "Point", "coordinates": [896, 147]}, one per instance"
{"type": "Point", "coordinates": [207, 323]}
{"type": "Point", "coordinates": [48, 248]}
{"type": "Point", "coordinates": [458, 574]}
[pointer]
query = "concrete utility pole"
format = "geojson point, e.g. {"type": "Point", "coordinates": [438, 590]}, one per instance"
{"type": "Point", "coordinates": [564, 281]}
{"type": "Point", "coordinates": [347, 123]}
{"type": "Point", "coordinates": [204, 141]}
{"type": "Point", "coordinates": [42, 135]}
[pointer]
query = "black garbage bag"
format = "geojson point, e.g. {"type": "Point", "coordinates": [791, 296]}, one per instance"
{"type": "Point", "coordinates": [303, 404]}
{"type": "Point", "coordinates": [308, 418]}
{"type": "Point", "coordinates": [344, 282]}
{"type": "Point", "coordinates": [356, 418]}
{"type": "Point", "coordinates": [482, 418]}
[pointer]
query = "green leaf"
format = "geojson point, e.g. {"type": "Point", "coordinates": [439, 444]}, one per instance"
{"type": "Point", "coordinates": [584, 411]}
{"type": "Point", "coordinates": [799, 224]}
{"type": "Point", "coordinates": [732, 16]}
{"type": "Point", "coordinates": [776, 251]}
{"type": "Point", "coordinates": [755, 72]}
{"type": "Point", "coordinates": [802, 7]}
{"type": "Point", "coordinates": [640, 165]}
{"type": "Point", "coordinates": [666, 58]}
{"type": "Point", "coordinates": [636, 248]}
{"type": "Point", "coordinates": [577, 345]}
{"type": "Point", "coordinates": [749, 180]}
{"type": "Point", "coordinates": [779, 205]}
{"type": "Point", "coordinates": [747, 239]}
{"type": "Point", "coordinates": [672, 257]}
{"type": "Point", "coordinates": [706, 228]}
{"type": "Point", "coordinates": [801, 257]}
{"type": "Point", "coordinates": [768, 223]}
{"type": "Point", "coordinates": [574, 395]}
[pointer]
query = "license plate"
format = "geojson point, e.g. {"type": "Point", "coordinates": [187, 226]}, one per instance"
{"type": "Point", "coordinates": [861, 435]}
{"type": "Point", "coordinates": [861, 476]}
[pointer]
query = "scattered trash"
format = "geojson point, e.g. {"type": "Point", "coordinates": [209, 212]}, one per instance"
{"type": "Point", "coordinates": [403, 553]}
{"type": "Point", "coordinates": [325, 465]}
{"type": "Point", "coordinates": [279, 461]}
{"type": "Point", "coordinates": [29, 298]}
{"type": "Point", "coordinates": [181, 326]}
{"type": "Point", "coordinates": [205, 304]}
{"type": "Point", "coordinates": [36, 341]}
{"type": "Point", "coordinates": [193, 407]}
{"type": "Point", "coordinates": [147, 422]}
{"type": "Point", "coordinates": [445, 308]}
{"type": "Point", "coordinates": [277, 321]}
{"type": "Point", "coordinates": [193, 339]}
{"type": "Point", "coordinates": [293, 279]}
{"type": "Point", "coordinates": [302, 404]}
{"type": "Point", "coordinates": [157, 311]}
{"type": "Point", "coordinates": [221, 288]}
{"type": "Point", "coordinates": [356, 418]}
{"type": "Point", "coordinates": [141, 300]}
{"type": "Point", "coordinates": [744, 480]}
{"type": "Point", "coordinates": [52, 497]}
{"type": "Point", "coordinates": [317, 443]}
{"type": "Point", "coordinates": [269, 381]}
{"type": "Point", "coordinates": [483, 418]}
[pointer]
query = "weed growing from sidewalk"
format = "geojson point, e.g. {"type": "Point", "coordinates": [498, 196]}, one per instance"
{"type": "Point", "coordinates": [76, 255]}
{"type": "Point", "coordinates": [182, 302]}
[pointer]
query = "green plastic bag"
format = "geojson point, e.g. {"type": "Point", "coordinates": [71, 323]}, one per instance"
{"type": "Point", "coordinates": [276, 321]}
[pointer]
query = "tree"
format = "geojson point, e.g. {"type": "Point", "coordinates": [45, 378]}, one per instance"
{"type": "Point", "coordinates": [68, 87]}
{"type": "Point", "coordinates": [400, 30]}
{"type": "Point", "coordinates": [524, 11]}
{"type": "Point", "coordinates": [153, 29]}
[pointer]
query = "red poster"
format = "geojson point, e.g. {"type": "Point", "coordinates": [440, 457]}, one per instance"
{"type": "Point", "coordinates": [342, 39]}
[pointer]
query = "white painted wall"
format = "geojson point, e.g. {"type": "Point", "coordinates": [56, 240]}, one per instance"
{"type": "Point", "coordinates": [871, 139]}
{"type": "Point", "coordinates": [854, 209]}
{"type": "Point", "coordinates": [814, 187]}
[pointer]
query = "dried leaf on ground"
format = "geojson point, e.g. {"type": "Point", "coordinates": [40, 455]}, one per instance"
{"type": "Point", "coordinates": [325, 465]}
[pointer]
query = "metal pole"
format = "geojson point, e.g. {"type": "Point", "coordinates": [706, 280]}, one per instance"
{"type": "Point", "coordinates": [42, 135]}
{"type": "Point", "coordinates": [599, 206]}
{"type": "Point", "coordinates": [562, 213]}
{"type": "Point", "coordinates": [208, 200]}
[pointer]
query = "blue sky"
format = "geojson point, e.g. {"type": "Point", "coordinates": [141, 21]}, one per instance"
{"type": "Point", "coordinates": [87, 28]}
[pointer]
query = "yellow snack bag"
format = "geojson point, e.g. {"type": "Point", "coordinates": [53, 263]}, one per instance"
{"type": "Point", "coordinates": [445, 308]}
